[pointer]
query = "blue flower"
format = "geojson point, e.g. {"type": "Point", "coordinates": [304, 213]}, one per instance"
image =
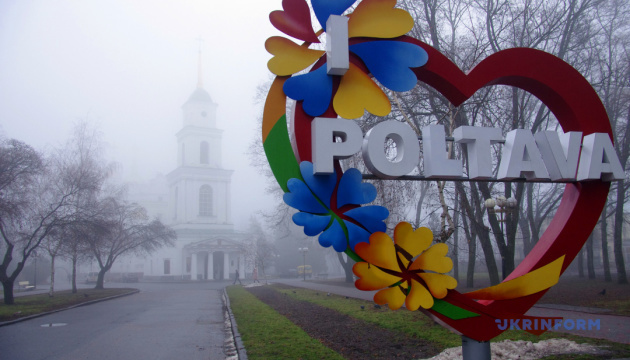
{"type": "Point", "coordinates": [333, 208]}
{"type": "Point", "coordinates": [375, 28]}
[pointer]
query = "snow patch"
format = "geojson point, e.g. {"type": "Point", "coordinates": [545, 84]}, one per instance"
{"type": "Point", "coordinates": [525, 350]}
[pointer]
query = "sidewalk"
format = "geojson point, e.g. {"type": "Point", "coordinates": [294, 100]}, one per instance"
{"type": "Point", "coordinates": [612, 327]}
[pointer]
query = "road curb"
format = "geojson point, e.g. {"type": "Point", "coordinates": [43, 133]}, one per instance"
{"type": "Point", "coordinates": [5, 323]}
{"type": "Point", "coordinates": [236, 336]}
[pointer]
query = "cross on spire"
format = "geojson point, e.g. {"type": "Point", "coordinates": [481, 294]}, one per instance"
{"type": "Point", "coordinates": [199, 70]}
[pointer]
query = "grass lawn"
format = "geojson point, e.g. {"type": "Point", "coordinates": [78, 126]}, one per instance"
{"type": "Point", "coordinates": [269, 335]}
{"type": "Point", "coordinates": [260, 337]}
{"type": "Point", "coordinates": [39, 303]}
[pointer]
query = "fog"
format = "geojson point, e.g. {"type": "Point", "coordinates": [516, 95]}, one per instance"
{"type": "Point", "coordinates": [128, 66]}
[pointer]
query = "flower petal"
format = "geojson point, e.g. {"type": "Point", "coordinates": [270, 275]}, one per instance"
{"type": "Point", "coordinates": [356, 234]}
{"type": "Point", "coordinates": [315, 88]}
{"type": "Point", "coordinates": [434, 259]}
{"type": "Point", "coordinates": [353, 191]}
{"type": "Point", "coordinates": [321, 185]}
{"type": "Point", "coordinates": [413, 242]}
{"type": "Point", "coordinates": [324, 8]}
{"type": "Point", "coordinates": [370, 217]}
{"type": "Point", "coordinates": [392, 296]}
{"type": "Point", "coordinates": [371, 277]}
{"type": "Point", "coordinates": [380, 251]}
{"type": "Point", "coordinates": [313, 224]}
{"type": "Point", "coordinates": [357, 93]}
{"type": "Point", "coordinates": [289, 57]}
{"type": "Point", "coordinates": [390, 62]}
{"type": "Point", "coordinates": [295, 20]}
{"type": "Point", "coordinates": [438, 284]}
{"type": "Point", "coordinates": [379, 19]}
{"type": "Point", "coordinates": [418, 296]}
{"type": "Point", "coordinates": [300, 197]}
{"type": "Point", "coordinates": [334, 236]}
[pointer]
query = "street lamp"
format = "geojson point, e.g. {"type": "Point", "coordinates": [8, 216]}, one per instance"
{"type": "Point", "coordinates": [505, 206]}
{"type": "Point", "coordinates": [304, 250]}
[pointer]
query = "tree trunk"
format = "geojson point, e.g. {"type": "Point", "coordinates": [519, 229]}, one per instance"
{"type": "Point", "coordinates": [589, 258]}
{"type": "Point", "coordinates": [51, 290]}
{"type": "Point", "coordinates": [347, 267]}
{"type": "Point", "coordinates": [622, 277]}
{"type": "Point", "coordinates": [581, 263]}
{"type": "Point", "coordinates": [100, 280]}
{"type": "Point", "coordinates": [499, 235]}
{"type": "Point", "coordinates": [472, 253]}
{"type": "Point", "coordinates": [456, 239]}
{"type": "Point", "coordinates": [476, 221]}
{"type": "Point", "coordinates": [74, 275]}
{"type": "Point", "coordinates": [7, 285]}
{"type": "Point", "coordinates": [604, 236]}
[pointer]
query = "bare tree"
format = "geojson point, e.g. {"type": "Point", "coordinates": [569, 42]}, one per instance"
{"type": "Point", "coordinates": [124, 228]}
{"type": "Point", "coordinates": [20, 168]}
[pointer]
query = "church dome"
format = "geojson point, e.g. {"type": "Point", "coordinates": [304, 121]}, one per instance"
{"type": "Point", "coordinates": [199, 95]}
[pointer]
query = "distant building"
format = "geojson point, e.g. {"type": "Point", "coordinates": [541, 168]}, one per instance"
{"type": "Point", "coordinates": [195, 200]}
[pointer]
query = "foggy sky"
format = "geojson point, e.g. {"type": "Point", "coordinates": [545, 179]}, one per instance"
{"type": "Point", "coordinates": [128, 66]}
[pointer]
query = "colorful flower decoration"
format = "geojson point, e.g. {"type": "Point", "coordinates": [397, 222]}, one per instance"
{"type": "Point", "coordinates": [389, 61]}
{"type": "Point", "coordinates": [333, 208]}
{"type": "Point", "coordinates": [408, 270]}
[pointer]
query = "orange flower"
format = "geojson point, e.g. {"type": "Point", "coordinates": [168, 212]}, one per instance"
{"type": "Point", "coordinates": [407, 270]}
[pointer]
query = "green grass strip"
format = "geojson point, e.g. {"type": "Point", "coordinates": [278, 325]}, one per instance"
{"type": "Point", "coordinates": [40, 303]}
{"type": "Point", "coordinates": [415, 323]}
{"type": "Point", "coordinates": [268, 335]}
{"type": "Point", "coordinates": [280, 154]}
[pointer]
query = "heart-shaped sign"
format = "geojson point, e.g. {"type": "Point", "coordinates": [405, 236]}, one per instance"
{"type": "Point", "coordinates": [567, 94]}
{"type": "Point", "coordinates": [576, 106]}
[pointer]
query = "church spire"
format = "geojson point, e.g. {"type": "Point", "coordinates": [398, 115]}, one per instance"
{"type": "Point", "coordinates": [199, 70]}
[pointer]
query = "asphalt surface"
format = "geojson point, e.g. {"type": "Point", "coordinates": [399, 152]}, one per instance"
{"type": "Point", "coordinates": [611, 327]}
{"type": "Point", "coordinates": [162, 321]}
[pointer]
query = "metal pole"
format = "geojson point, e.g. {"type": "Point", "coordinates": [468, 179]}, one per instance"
{"type": "Point", "coordinates": [304, 269]}
{"type": "Point", "coordinates": [475, 350]}
{"type": "Point", "coordinates": [506, 242]}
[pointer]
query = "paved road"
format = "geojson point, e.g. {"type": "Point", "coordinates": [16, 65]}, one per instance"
{"type": "Point", "coordinates": [614, 328]}
{"type": "Point", "coordinates": [162, 321]}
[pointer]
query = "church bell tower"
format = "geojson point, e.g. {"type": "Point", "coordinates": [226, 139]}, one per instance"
{"type": "Point", "coordinates": [200, 186]}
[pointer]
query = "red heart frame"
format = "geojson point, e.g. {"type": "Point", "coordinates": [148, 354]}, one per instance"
{"type": "Point", "coordinates": [577, 107]}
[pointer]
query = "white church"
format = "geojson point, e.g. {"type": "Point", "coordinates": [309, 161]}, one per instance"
{"type": "Point", "coordinates": [194, 199]}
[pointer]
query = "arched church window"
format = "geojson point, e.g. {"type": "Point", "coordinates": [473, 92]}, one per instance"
{"type": "Point", "coordinates": [205, 201]}
{"type": "Point", "coordinates": [204, 148]}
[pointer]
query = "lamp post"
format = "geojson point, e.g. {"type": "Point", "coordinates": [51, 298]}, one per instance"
{"type": "Point", "coordinates": [502, 206]}
{"type": "Point", "coordinates": [304, 250]}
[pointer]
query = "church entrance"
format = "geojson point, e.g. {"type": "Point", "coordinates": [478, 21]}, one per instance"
{"type": "Point", "coordinates": [217, 265]}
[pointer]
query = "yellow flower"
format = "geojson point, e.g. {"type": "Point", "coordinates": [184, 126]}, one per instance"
{"type": "Point", "coordinates": [408, 270]}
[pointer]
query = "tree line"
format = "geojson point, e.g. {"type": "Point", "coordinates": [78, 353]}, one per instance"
{"type": "Point", "coordinates": [63, 204]}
